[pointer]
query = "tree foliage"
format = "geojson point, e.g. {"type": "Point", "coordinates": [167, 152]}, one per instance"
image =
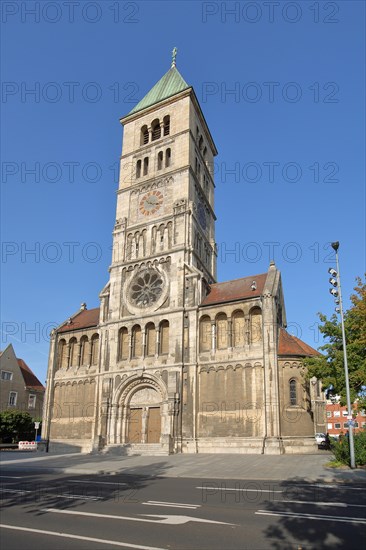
{"type": "Point", "coordinates": [330, 366]}
{"type": "Point", "coordinates": [15, 425]}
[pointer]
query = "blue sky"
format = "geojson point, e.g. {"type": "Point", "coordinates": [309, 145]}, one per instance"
{"type": "Point", "coordinates": [282, 87]}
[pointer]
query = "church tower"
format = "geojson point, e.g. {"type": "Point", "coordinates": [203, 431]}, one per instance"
{"type": "Point", "coordinates": [164, 253]}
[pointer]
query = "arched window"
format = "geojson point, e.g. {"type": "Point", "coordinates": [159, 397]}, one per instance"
{"type": "Point", "coordinates": [146, 165]}
{"type": "Point", "coordinates": [293, 392]}
{"type": "Point", "coordinates": [122, 344]}
{"type": "Point", "coordinates": [150, 339]}
{"type": "Point", "coordinates": [204, 153]}
{"type": "Point", "coordinates": [200, 143]}
{"type": "Point", "coordinates": [94, 349]}
{"type": "Point", "coordinates": [164, 337]}
{"type": "Point", "coordinates": [73, 352]}
{"type": "Point", "coordinates": [156, 130]}
{"type": "Point", "coordinates": [138, 169]}
{"type": "Point", "coordinates": [136, 341]}
{"type": "Point", "coordinates": [205, 334]}
{"type": "Point", "coordinates": [160, 160]}
{"type": "Point", "coordinates": [166, 122]}
{"type": "Point", "coordinates": [238, 329]}
{"type": "Point", "coordinates": [144, 135]}
{"type": "Point", "coordinates": [168, 157]}
{"type": "Point", "coordinates": [84, 345]}
{"type": "Point", "coordinates": [61, 356]}
{"type": "Point", "coordinates": [256, 325]}
{"type": "Point", "coordinates": [221, 331]}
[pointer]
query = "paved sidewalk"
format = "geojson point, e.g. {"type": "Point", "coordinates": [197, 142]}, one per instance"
{"type": "Point", "coordinates": [209, 466]}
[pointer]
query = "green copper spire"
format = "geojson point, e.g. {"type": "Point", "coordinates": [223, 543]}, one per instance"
{"type": "Point", "coordinates": [170, 84]}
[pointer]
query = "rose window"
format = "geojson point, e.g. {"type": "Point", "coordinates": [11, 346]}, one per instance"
{"type": "Point", "coordinates": [146, 288]}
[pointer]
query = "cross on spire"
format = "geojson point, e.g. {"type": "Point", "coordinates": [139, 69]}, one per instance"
{"type": "Point", "coordinates": [174, 56]}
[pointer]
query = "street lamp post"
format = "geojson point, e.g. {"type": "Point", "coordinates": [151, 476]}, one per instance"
{"type": "Point", "coordinates": [338, 295]}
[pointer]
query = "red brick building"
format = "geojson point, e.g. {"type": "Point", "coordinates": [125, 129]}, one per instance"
{"type": "Point", "coordinates": [337, 421]}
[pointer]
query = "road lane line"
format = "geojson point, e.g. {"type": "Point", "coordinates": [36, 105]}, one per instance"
{"type": "Point", "coordinates": [335, 504]}
{"type": "Point", "coordinates": [79, 537]}
{"type": "Point", "coordinates": [242, 489]}
{"type": "Point", "coordinates": [160, 519]}
{"type": "Point", "coordinates": [170, 505]}
{"type": "Point", "coordinates": [175, 503]}
{"type": "Point", "coordinates": [323, 486]}
{"type": "Point", "coordinates": [11, 477]}
{"type": "Point", "coordinates": [61, 495]}
{"type": "Point", "coordinates": [96, 482]}
{"type": "Point", "coordinates": [340, 519]}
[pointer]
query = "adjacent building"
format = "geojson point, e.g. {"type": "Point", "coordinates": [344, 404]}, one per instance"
{"type": "Point", "coordinates": [173, 361]}
{"type": "Point", "coordinates": [20, 389]}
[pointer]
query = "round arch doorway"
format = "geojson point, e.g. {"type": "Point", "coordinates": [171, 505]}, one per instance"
{"type": "Point", "coordinates": [144, 417]}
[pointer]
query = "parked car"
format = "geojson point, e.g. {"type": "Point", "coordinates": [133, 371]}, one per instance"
{"type": "Point", "coordinates": [320, 438]}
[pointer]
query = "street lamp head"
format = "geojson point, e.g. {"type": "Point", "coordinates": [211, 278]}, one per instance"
{"type": "Point", "coordinates": [335, 245]}
{"type": "Point", "coordinates": [333, 281]}
{"type": "Point", "coordinates": [334, 292]}
{"type": "Point", "coordinates": [332, 272]}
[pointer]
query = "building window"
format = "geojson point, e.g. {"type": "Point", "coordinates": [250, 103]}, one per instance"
{"type": "Point", "coordinates": [330, 426]}
{"type": "Point", "coordinates": [205, 334]}
{"type": "Point", "coordinates": [337, 426]}
{"type": "Point", "coordinates": [144, 135]}
{"type": "Point", "coordinates": [293, 392]}
{"type": "Point", "coordinates": [337, 413]}
{"type": "Point", "coordinates": [62, 354]}
{"type": "Point", "coordinates": [123, 344]}
{"type": "Point", "coordinates": [94, 349]}
{"type": "Point", "coordinates": [329, 414]}
{"type": "Point", "coordinates": [150, 339]}
{"type": "Point", "coordinates": [138, 169]}
{"type": "Point", "coordinates": [168, 157]}
{"type": "Point", "coordinates": [256, 325]}
{"type": "Point", "coordinates": [136, 341]}
{"type": "Point", "coordinates": [166, 122]}
{"type": "Point", "coordinates": [344, 413]}
{"type": "Point", "coordinates": [31, 401]}
{"type": "Point", "coordinates": [238, 329]}
{"type": "Point", "coordinates": [73, 352]}
{"type": "Point", "coordinates": [13, 398]}
{"type": "Point", "coordinates": [156, 130]}
{"type": "Point", "coordinates": [84, 350]}
{"type": "Point", "coordinates": [221, 331]}
{"type": "Point", "coordinates": [146, 165]}
{"type": "Point", "coordinates": [6, 375]}
{"type": "Point", "coordinates": [160, 160]}
{"type": "Point", "coordinates": [164, 337]}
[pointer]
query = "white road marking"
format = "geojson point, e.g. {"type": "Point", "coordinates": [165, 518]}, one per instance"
{"type": "Point", "coordinates": [167, 520]}
{"type": "Point", "coordinates": [324, 486]}
{"type": "Point", "coordinates": [79, 537]}
{"type": "Point", "coordinates": [11, 477]}
{"type": "Point", "coordinates": [341, 519]}
{"type": "Point", "coordinates": [241, 489]}
{"type": "Point", "coordinates": [336, 504]}
{"type": "Point", "coordinates": [61, 495]}
{"type": "Point", "coordinates": [97, 482]}
{"type": "Point", "coordinates": [171, 504]}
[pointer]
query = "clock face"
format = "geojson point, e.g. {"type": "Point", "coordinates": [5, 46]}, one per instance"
{"type": "Point", "coordinates": [201, 215]}
{"type": "Point", "coordinates": [151, 202]}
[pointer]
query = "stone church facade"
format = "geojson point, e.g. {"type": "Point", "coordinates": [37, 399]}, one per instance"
{"type": "Point", "coordinates": [173, 361]}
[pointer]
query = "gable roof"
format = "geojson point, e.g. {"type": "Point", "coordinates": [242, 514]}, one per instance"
{"type": "Point", "coordinates": [170, 84]}
{"type": "Point", "coordinates": [290, 345]}
{"type": "Point", "coordinates": [30, 379]}
{"type": "Point", "coordinates": [86, 318]}
{"type": "Point", "coordinates": [237, 289]}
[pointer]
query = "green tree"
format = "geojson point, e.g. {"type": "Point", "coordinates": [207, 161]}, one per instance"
{"type": "Point", "coordinates": [330, 366]}
{"type": "Point", "coordinates": [16, 425]}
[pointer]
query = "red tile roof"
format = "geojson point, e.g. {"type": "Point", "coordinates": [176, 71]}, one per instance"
{"type": "Point", "coordinates": [238, 289]}
{"type": "Point", "coordinates": [30, 379]}
{"type": "Point", "coordinates": [86, 318]}
{"type": "Point", "coordinates": [290, 345]}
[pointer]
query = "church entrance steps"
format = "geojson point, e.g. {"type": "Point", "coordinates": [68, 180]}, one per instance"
{"type": "Point", "coordinates": [129, 449]}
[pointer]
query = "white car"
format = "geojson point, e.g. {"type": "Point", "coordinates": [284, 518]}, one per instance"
{"type": "Point", "coordinates": [320, 438]}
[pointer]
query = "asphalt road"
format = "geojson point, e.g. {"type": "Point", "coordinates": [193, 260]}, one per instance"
{"type": "Point", "coordinates": [141, 512]}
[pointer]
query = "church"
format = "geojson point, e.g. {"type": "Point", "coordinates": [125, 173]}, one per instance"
{"type": "Point", "coordinates": [173, 361]}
